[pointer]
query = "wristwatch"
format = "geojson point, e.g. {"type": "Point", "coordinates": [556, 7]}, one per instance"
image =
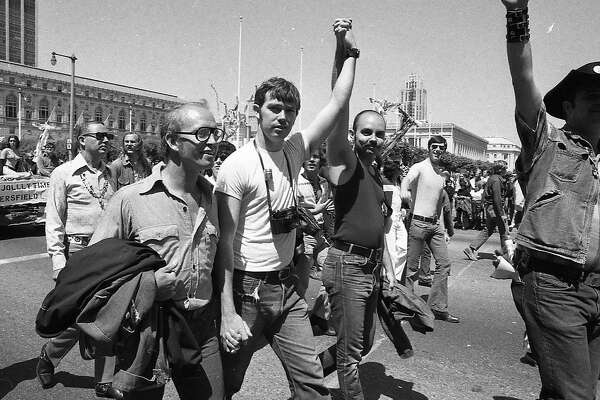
{"type": "Point", "coordinates": [353, 52]}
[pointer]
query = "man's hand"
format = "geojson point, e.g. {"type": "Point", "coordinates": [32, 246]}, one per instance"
{"type": "Point", "coordinates": [234, 332]}
{"type": "Point", "coordinates": [55, 274]}
{"type": "Point", "coordinates": [447, 237]}
{"type": "Point", "coordinates": [342, 27]}
{"type": "Point", "coordinates": [514, 4]}
{"type": "Point", "coordinates": [166, 285]}
{"type": "Point", "coordinates": [323, 205]}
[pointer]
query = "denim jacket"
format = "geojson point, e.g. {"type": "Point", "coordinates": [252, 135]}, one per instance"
{"type": "Point", "coordinates": [559, 177]}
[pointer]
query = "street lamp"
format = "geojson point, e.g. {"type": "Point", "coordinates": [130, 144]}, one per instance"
{"type": "Point", "coordinates": [72, 100]}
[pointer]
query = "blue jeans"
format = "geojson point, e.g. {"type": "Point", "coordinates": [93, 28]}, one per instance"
{"type": "Point", "coordinates": [419, 234]}
{"type": "Point", "coordinates": [275, 311]}
{"type": "Point", "coordinates": [352, 286]}
{"type": "Point", "coordinates": [562, 317]}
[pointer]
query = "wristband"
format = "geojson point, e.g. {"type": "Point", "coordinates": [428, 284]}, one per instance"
{"type": "Point", "coordinates": [353, 52]}
{"type": "Point", "coordinates": [517, 25]}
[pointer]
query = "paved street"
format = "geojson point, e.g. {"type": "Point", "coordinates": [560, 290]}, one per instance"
{"type": "Point", "coordinates": [476, 359]}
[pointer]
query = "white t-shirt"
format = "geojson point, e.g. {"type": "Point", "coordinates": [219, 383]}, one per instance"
{"type": "Point", "coordinates": [241, 176]}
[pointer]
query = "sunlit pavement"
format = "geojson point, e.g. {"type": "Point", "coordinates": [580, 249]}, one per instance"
{"type": "Point", "coordinates": [476, 359]}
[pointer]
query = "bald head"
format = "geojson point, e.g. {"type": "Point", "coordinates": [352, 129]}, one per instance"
{"type": "Point", "coordinates": [186, 118]}
{"type": "Point", "coordinates": [366, 114]}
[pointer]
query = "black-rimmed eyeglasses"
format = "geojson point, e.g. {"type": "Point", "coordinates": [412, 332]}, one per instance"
{"type": "Point", "coordinates": [203, 134]}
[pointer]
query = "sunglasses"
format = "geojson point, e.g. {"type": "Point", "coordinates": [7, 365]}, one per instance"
{"type": "Point", "coordinates": [438, 147]}
{"type": "Point", "coordinates": [100, 135]}
{"type": "Point", "coordinates": [204, 133]}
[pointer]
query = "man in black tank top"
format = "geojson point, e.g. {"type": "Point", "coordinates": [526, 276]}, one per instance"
{"type": "Point", "coordinates": [351, 270]}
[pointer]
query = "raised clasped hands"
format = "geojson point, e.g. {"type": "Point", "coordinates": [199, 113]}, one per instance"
{"type": "Point", "coordinates": [342, 27]}
{"type": "Point", "coordinates": [514, 4]}
{"type": "Point", "coordinates": [234, 332]}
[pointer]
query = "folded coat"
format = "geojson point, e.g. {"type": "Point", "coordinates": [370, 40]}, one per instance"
{"type": "Point", "coordinates": [91, 270]}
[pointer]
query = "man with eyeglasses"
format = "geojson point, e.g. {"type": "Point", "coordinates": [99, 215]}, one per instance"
{"type": "Point", "coordinates": [423, 189]}
{"type": "Point", "coordinates": [78, 193]}
{"type": "Point", "coordinates": [261, 298]}
{"type": "Point", "coordinates": [174, 212]}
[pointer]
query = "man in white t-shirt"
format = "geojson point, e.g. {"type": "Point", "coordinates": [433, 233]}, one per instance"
{"type": "Point", "coordinates": [259, 297]}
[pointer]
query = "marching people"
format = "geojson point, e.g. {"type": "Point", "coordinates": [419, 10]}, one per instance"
{"type": "Point", "coordinates": [558, 245]}
{"type": "Point", "coordinates": [495, 218]}
{"type": "Point", "coordinates": [78, 193]}
{"type": "Point", "coordinates": [258, 217]}
{"type": "Point", "coordinates": [48, 161]}
{"type": "Point", "coordinates": [131, 165]}
{"type": "Point", "coordinates": [174, 212]}
{"type": "Point", "coordinates": [423, 189]}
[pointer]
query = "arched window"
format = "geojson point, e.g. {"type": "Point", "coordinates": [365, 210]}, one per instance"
{"type": "Point", "coordinates": [143, 123]}
{"type": "Point", "coordinates": [43, 110]}
{"type": "Point", "coordinates": [122, 120]}
{"type": "Point", "coordinates": [98, 114]}
{"type": "Point", "coordinates": [59, 116]}
{"type": "Point", "coordinates": [10, 109]}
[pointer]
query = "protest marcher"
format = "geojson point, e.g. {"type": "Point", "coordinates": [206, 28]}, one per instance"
{"type": "Point", "coordinates": [353, 263]}
{"type": "Point", "coordinates": [427, 222]}
{"type": "Point", "coordinates": [174, 212]}
{"type": "Point", "coordinates": [558, 245]}
{"type": "Point", "coordinates": [78, 193]}
{"type": "Point", "coordinates": [131, 165]}
{"type": "Point", "coordinates": [258, 216]}
{"type": "Point", "coordinates": [495, 217]}
{"type": "Point", "coordinates": [314, 196]}
{"type": "Point", "coordinates": [48, 161]}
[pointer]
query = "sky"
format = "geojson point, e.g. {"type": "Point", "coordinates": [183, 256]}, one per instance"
{"type": "Point", "coordinates": [458, 48]}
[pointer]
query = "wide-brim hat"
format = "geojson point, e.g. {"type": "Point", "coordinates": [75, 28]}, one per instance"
{"type": "Point", "coordinates": [589, 74]}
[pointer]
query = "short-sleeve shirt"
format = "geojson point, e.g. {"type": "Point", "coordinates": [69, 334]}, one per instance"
{"type": "Point", "coordinates": [255, 247]}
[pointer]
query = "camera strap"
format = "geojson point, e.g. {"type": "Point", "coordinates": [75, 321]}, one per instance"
{"type": "Point", "coordinates": [268, 176]}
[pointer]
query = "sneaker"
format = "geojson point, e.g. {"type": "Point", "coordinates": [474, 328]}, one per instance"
{"type": "Point", "coordinates": [470, 253]}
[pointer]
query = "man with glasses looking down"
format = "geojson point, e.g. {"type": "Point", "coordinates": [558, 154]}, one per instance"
{"type": "Point", "coordinates": [78, 193]}
{"type": "Point", "coordinates": [423, 189]}
{"type": "Point", "coordinates": [174, 212]}
{"type": "Point", "coordinates": [256, 192]}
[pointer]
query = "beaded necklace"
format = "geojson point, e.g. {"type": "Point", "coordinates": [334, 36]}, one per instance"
{"type": "Point", "coordinates": [90, 189]}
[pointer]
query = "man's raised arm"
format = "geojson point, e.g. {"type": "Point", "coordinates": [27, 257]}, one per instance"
{"type": "Point", "coordinates": [340, 156]}
{"type": "Point", "coordinates": [527, 96]}
{"type": "Point", "coordinates": [325, 120]}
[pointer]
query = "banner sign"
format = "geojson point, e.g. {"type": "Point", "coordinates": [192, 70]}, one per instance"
{"type": "Point", "coordinates": [23, 191]}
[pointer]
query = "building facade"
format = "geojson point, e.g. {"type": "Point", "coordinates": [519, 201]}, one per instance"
{"type": "Point", "coordinates": [413, 98]}
{"type": "Point", "coordinates": [461, 142]}
{"type": "Point", "coordinates": [18, 31]}
{"type": "Point", "coordinates": [501, 149]}
{"type": "Point", "coordinates": [44, 95]}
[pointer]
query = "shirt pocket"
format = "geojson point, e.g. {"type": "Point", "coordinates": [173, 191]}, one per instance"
{"type": "Point", "coordinates": [163, 239]}
{"type": "Point", "coordinates": [210, 238]}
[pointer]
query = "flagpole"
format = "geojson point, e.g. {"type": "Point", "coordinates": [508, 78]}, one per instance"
{"type": "Point", "coordinates": [301, 92]}
{"type": "Point", "coordinates": [239, 82]}
{"type": "Point", "coordinates": [130, 117]}
{"type": "Point", "coordinates": [19, 116]}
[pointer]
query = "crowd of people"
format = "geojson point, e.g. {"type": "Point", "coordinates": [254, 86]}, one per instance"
{"type": "Point", "coordinates": [295, 233]}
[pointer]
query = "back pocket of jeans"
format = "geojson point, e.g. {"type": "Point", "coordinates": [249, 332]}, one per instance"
{"type": "Point", "coordinates": [550, 282]}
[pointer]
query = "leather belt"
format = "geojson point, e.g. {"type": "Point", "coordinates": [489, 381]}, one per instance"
{"type": "Point", "coordinates": [356, 249]}
{"type": "Point", "coordinates": [431, 220]}
{"type": "Point", "coordinates": [569, 272]}
{"type": "Point", "coordinates": [269, 276]}
{"type": "Point", "coordinates": [81, 240]}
